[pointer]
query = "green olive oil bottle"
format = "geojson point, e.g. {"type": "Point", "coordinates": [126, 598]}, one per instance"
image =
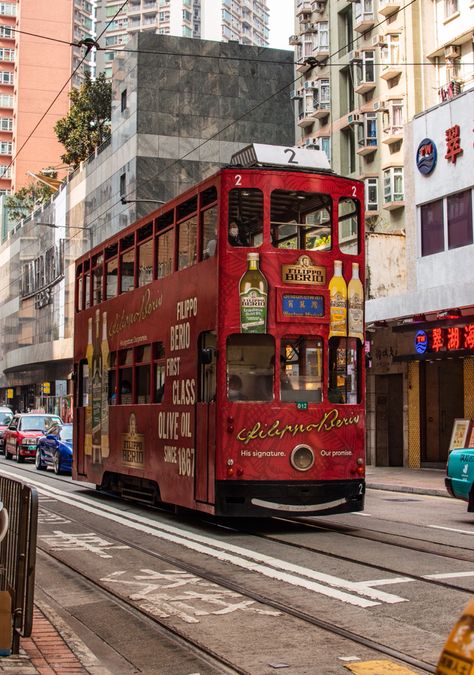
{"type": "Point", "coordinates": [253, 293]}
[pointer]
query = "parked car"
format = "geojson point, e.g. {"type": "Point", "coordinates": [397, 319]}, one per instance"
{"type": "Point", "coordinates": [55, 449]}
{"type": "Point", "coordinates": [6, 416]}
{"type": "Point", "coordinates": [23, 432]}
{"type": "Point", "coordinates": [459, 478]}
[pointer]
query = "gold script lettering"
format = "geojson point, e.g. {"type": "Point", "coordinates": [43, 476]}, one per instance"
{"type": "Point", "coordinates": [330, 420]}
{"type": "Point", "coordinates": [148, 305]}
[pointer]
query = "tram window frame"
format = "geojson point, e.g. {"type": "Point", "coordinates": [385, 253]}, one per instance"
{"type": "Point", "coordinates": [125, 375]}
{"type": "Point", "coordinates": [158, 372]}
{"type": "Point", "coordinates": [145, 272]}
{"type": "Point", "coordinates": [293, 348]}
{"type": "Point", "coordinates": [245, 216]}
{"type": "Point", "coordinates": [83, 384]}
{"type": "Point", "coordinates": [209, 231]}
{"type": "Point", "coordinates": [346, 245]}
{"type": "Point", "coordinates": [207, 369]}
{"type": "Point", "coordinates": [79, 289]}
{"type": "Point", "coordinates": [187, 252]}
{"type": "Point", "coordinates": [142, 373]}
{"type": "Point", "coordinates": [252, 364]}
{"type": "Point", "coordinates": [87, 285]}
{"type": "Point", "coordinates": [295, 232]}
{"type": "Point", "coordinates": [111, 255]}
{"type": "Point", "coordinates": [97, 279]}
{"type": "Point", "coordinates": [165, 265]}
{"type": "Point", "coordinates": [344, 370]}
{"type": "Point", "coordinates": [127, 256]}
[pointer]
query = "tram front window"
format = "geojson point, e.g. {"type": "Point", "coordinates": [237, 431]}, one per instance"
{"type": "Point", "coordinates": [301, 369]}
{"type": "Point", "coordinates": [250, 367]}
{"type": "Point", "coordinates": [301, 220]}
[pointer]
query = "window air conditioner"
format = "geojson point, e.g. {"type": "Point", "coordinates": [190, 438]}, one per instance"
{"type": "Point", "coordinates": [379, 105]}
{"type": "Point", "coordinates": [378, 40]}
{"type": "Point", "coordinates": [354, 118]}
{"type": "Point", "coordinates": [355, 55]}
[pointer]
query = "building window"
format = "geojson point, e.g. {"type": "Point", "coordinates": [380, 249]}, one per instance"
{"type": "Point", "coordinates": [5, 148]}
{"type": "Point", "coordinates": [6, 123]}
{"type": "Point", "coordinates": [123, 184]}
{"type": "Point", "coordinates": [459, 219]}
{"type": "Point", "coordinates": [368, 130]}
{"type": "Point", "coordinates": [365, 69]}
{"type": "Point", "coordinates": [390, 51]}
{"type": "Point", "coordinates": [450, 7]}
{"type": "Point", "coordinates": [8, 8]}
{"type": "Point", "coordinates": [123, 100]}
{"type": "Point", "coordinates": [432, 228]}
{"type": "Point", "coordinates": [372, 194]}
{"type": "Point", "coordinates": [325, 146]}
{"type": "Point", "coordinates": [393, 185]}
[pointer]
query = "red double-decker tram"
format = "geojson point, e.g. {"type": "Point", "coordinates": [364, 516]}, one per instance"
{"type": "Point", "coordinates": [218, 347]}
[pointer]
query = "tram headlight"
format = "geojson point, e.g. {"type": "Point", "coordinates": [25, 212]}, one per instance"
{"type": "Point", "coordinates": [302, 458]}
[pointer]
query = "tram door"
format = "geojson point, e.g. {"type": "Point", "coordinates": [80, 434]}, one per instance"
{"type": "Point", "coordinates": [443, 393]}
{"type": "Point", "coordinates": [206, 420]}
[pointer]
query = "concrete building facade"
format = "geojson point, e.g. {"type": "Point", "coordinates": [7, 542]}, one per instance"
{"type": "Point", "coordinates": [175, 120]}
{"type": "Point", "coordinates": [243, 21]}
{"type": "Point", "coordinates": [367, 70]}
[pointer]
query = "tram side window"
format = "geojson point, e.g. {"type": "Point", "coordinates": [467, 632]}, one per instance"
{"type": "Point", "coordinates": [111, 278]}
{"type": "Point", "coordinates": [187, 243]}
{"type": "Point", "coordinates": [165, 253]}
{"type": "Point", "coordinates": [127, 271]}
{"type": "Point", "coordinates": [159, 364]}
{"type": "Point", "coordinates": [301, 220]}
{"type": "Point", "coordinates": [344, 370]}
{"type": "Point", "coordinates": [145, 263]}
{"type": "Point", "coordinates": [207, 361]}
{"type": "Point", "coordinates": [245, 217]}
{"type": "Point", "coordinates": [250, 367]}
{"type": "Point", "coordinates": [97, 280]}
{"type": "Point", "coordinates": [348, 217]}
{"type": "Point", "coordinates": [301, 369]}
{"type": "Point", "coordinates": [80, 292]}
{"type": "Point", "coordinates": [112, 380]}
{"type": "Point", "coordinates": [125, 376]}
{"type": "Point", "coordinates": [209, 232]}
{"type": "Point", "coordinates": [83, 383]}
{"type": "Point", "coordinates": [87, 290]}
{"type": "Point", "coordinates": [143, 373]}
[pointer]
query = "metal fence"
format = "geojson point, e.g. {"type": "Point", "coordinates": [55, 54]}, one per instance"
{"type": "Point", "coordinates": [18, 554]}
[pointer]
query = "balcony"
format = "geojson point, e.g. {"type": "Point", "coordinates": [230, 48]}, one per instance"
{"type": "Point", "coordinates": [367, 146]}
{"type": "Point", "coordinates": [364, 86]}
{"type": "Point", "coordinates": [304, 9]}
{"type": "Point", "coordinates": [392, 134]}
{"type": "Point", "coordinates": [390, 71]}
{"type": "Point", "coordinates": [364, 22]}
{"type": "Point", "coordinates": [294, 40]}
{"type": "Point", "coordinates": [398, 203]}
{"type": "Point", "coordinates": [321, 53]}
{"type": "Point", "coordinates": [304, 64]}
{"type": "Point", "coordinates": [387, 7]}
{"type": "Point", "coordinates": [306, 119]}
{"type": "Point", "coordinates": [321, 110]}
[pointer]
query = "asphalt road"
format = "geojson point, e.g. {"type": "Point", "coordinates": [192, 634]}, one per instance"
{"type": "Point", "coordinates": [123, 576]}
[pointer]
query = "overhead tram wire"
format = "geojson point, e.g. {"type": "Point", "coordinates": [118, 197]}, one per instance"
{"type": "Point", "coordinates": [322, 63]}
{"type": "Point", "coordinates": [268, 98]}
{"type": "Point", "coordinates": [88, 45]}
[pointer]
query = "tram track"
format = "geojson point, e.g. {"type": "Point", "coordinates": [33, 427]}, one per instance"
{"type": "Point", "coordinates": [283, 607]}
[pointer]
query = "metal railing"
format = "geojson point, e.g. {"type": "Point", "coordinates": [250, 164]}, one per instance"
{"type": "Point", "coordinates": [18, 554]}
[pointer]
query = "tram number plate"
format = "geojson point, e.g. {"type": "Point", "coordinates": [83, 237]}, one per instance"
{"type": "Point", "coordinates": [301, 405]}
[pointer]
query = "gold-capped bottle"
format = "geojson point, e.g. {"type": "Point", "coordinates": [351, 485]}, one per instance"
{"type": "Point", "coordinates": [253, 291]}
{"type": "Point", "coordinates": [355, 304]}
{"type": "Point", "coordinates": [96, 393]}
{"type": "Point", "coordinates": [88, 392]}
{"type": "Point", "coordinates": [104, 429]}
{"type": "Point", "coordinates": [337, 303]}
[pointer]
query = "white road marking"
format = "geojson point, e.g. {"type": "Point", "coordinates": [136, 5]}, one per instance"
{"type": "Point", "coordinates": [88, 541]}
{"type": "Point", "coordinates": [197, 597]}
{"type": "Point", "coordinates": [449, 575]}
{"type": "Point", "coordinates": [451, 529]}
{"type": "Point", "coordinates": [241, 557]}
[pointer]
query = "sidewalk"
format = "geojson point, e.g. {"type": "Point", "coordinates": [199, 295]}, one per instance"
{"type": "Point", "coordinates": [54, 650]}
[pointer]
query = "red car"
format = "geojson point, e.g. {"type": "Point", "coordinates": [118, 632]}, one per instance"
{"type": "Point", "coordinates": [6, 415]}
{"type": "Point", "coordinates": [23, 432]}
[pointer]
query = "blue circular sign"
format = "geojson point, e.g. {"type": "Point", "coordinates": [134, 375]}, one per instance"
{"type": "Point", "coordinates": [421, 342]}
{"type": "Point", "coordinates": [426, 156]}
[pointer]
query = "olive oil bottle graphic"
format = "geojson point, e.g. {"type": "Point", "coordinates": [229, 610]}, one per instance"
{"type": "Point", "coordinates": [355, 304]}
{"type": "Point", "coordinates": [337, 303]}
{"type": "Point", "coordinates": [253, 291]}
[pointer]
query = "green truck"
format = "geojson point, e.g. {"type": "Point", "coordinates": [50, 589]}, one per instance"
{"type": "Point", "coordinates": [459, 479]}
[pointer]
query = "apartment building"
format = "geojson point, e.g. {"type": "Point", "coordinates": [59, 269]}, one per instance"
{"type": "Point", "coordinates": [36, 62]}
{"type": "Point", "coordinates": [243, 21]}
{"type": "Point", "coordinates": [367, 71]}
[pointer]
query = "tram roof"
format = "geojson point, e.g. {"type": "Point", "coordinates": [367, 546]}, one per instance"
{"type": "Point", "coordinates": [294, 158]}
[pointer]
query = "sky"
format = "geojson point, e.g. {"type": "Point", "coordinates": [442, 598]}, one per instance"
{"type": "Point", "coordinates": [282, 19]}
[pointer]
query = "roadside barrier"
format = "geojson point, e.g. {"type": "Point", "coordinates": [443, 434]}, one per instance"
{"type": "Point", "coordinates": [18, 529]}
